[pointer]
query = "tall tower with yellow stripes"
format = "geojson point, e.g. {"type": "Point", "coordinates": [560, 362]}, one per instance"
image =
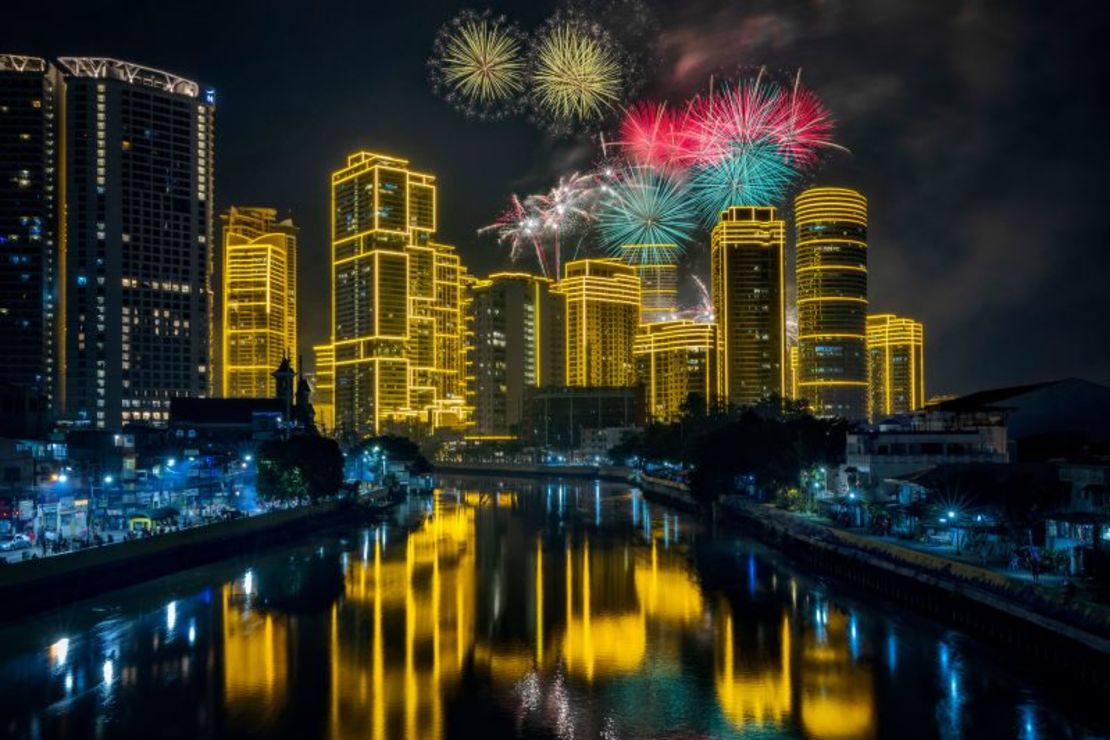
{"type": "Point", "coordinates": [831, 282]}
{"type": "Point", "coordinates": [748, 290]}
{"type": "Point", "coordinates": [259, 300]}
{"type": "Point", "coordinates": [397, 301]}
{"type": "Point", "coordinates": [602, 314]}
{"type": "Point", "coordinates": [896, 359]}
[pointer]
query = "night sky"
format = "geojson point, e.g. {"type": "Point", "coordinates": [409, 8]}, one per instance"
{"type": "Point", "coordinates": [976, 129]}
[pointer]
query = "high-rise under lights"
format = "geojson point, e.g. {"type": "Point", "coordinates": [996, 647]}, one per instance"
{"type": "Point", "coordinates": [748, 289]}
{"type": "Point", "coordinates": [831, 283]}
{"type": "Point", "coordinates": [896, 359]}
{"type": "Point", "coordinates": [603, 312]}
{"type": "Point", "coordinates": [258, 300]}
{"type": "Point", "coordinates": [677, 363]}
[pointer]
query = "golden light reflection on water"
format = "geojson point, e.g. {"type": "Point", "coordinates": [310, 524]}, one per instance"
{"type": "Point", "coordinates": [474, 592]}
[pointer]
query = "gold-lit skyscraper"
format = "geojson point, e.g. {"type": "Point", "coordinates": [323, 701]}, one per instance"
{"type": "Point", "coordinates": [259, 300]}
{"type": "Point", "coordinates": [676, 361]}
{"type": "Point", "coordinates": [896, 359]}
{"type": "Point", "coordinates": [397, 301]}
{"type": "Point", "coordinates": [603, 312]}
{"type": "Point", "coordinates": [748, 289]}
{"type": "Point", "coordinates": [657, 267]}
{"type": "Point", "coordinates": [831, 283]}
{"type": "Point", "coordinates": [323, 392]}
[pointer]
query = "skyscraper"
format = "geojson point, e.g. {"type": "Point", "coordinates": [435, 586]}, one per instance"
{"type": "Point", "coordinates": [676, 360]}
{"type": "Point", "coordinates": [831, 283]}
{"type": "Point", "coordinates": [518, 342]}
{"type": "Point", "coordinates": [258, 300]}
{"type": "Point", "coordinates": [603, 313]}
{"type": "Point", "coordinates": [397, 301]}
{"type": "Point", "coordinates": [657, 267]}
{"type": "Point", "coordinates": [139, 158]}
{"type": "Point", "coordinates": [747, 286]}
{"type": "Point", "coordinates": [30, 193]}
{"type": "Point", "coordinates": [896, 359]}
{"type": "Point", "coordinates": [323, 392]}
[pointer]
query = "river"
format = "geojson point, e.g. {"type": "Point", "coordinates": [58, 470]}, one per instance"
{"type": "Point", "coordinates": [502, 608]}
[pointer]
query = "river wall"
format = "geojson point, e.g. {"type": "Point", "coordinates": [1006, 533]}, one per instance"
{"type": "Point", "coordinates": [58, 580]}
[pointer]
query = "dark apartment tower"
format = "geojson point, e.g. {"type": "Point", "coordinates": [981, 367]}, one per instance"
{"type": "Point", "coordinates": [29, 239]}
{"type": "Point", "coordinates": [139, 153]}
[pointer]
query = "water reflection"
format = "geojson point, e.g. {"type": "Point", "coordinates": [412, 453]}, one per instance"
{"type": "Point", "coordinates": [558, 609]}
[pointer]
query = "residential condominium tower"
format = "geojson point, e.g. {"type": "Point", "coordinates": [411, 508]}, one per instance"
{"type": "Point", "coordinates": [397, 301]}
{"type": "Point", "coordinates": [258, 301]}
{"type": "Point", "coordinates": [603, 313]}
{"type": "Point", "coordinates": [747, 287]}
{"type": "Point", "coordinates": [518, 342]}
{"type": "Point", "coordinates": [831, 288]}
{"type": "Point", "coordinates": [137, 263]}
{"type": "Point", "coordinates": [677, 363]}
{"type": "Point", "coordinates": [30, 243]}
{"type": "Point", "coordinates": [657, 267]}
{"type": "Point", "coordinates": [896, 360]}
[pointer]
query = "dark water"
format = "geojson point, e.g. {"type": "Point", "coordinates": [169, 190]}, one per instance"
{"type": "Point", "coordinates": [505, 609]}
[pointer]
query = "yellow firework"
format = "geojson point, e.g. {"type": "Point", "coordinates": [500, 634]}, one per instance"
{"type": "Point", "coordinates": [483, 60]}
{"type": "Point", "coordinates": [576, 75]}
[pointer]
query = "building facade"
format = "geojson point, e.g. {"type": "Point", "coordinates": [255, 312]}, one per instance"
{"type": "Point", "coordinates": [561, 417]}
{"type": "Point", "coordinates": [138, 233]}
{"type": "Point", "coordinates": [30, 197]}
{"type": "Point", "coordinates": [831, 284]}
{"type": "Point", "coordinates": [748, 291]}
{"type": "Point", "coordinates": [397, 301]}
{"type": "Point", "coordinates": [603, 313]}
{"type": "Point", "coordinates": [517, 325]}
{"type": "Point", "coordinates": [323, 391]}
{"type": "Point", "coordinates": [896, 365]}
{"type": "Point", "coordinates": [657, 267]}
{"type": "Point", "coordinates": [677, 362]}
{"type": "Point", "coordinates": [258, 300]}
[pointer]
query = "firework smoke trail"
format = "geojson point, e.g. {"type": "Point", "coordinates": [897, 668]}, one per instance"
{"type": "Point", "coordinates": [644, 207]}
{"type": "Point", "coordinates": [704, 311]}
{"type": "Point", "coordinates": [478, 65]}
{"type": "Point", "coordinates": [519, 225]}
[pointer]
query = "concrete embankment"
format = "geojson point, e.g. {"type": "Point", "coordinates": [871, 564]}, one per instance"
{"type": "Point", "coordinates": [61, 579]}
{"type": "Point", "coordinates": [1066, 636]}
{"type": "Point", "coordinates": [518, 470]}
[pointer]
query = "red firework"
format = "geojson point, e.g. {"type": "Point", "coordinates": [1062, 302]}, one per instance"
{"type": "Point", "coordinates": [654, 135]}
{"type": "Point", "coordinates": [802, 125]}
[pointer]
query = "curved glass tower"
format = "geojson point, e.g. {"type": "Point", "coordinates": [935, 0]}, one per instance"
{"type": "Point", "coordinates": [831, 282]}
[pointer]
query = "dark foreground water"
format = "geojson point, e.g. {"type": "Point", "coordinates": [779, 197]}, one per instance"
{"type": "Point", "coordinates": [502, 608]}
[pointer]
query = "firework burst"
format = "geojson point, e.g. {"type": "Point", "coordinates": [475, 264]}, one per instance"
{"type": "Point", "coordinates": [644, 207]}
{"type": "Point", "coordinates": [576, 73]}
{"type": "Point", "coordinates": [478, 64]}
{"type": "Point", "coordinates": [654, 135]}
{"type": "Point", "coordinates": [753, 174]}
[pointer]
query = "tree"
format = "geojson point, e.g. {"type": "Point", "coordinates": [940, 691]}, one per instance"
{"type": "Point", "coordinates": [397, 448]}
{"type": "Point", "coordinates": [301, 466]}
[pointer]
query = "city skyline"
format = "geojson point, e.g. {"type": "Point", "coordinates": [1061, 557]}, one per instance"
{"type": "Point", "coordinates": [901, 129]}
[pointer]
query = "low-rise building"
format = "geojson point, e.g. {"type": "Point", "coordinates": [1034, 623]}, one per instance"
{"type": "Point", "coordinates": [555, 417]}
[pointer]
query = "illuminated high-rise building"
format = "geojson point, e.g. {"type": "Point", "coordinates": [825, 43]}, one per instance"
{"type": "Point", "coordinates": [896, 360]}
{"type": "Point", "coordinates": [657, 267]}
{"type": "Point", "coordinates": [792, 360]}
{"type": "Point", "coordinates": [323, 392]}
{"type": "Point", "coordinates": [676, 361]}
{"type": "Point", "coordinates": [30, 198]}
{"type": "Point", "coordinates": [603, 313]}
{"type": "Point", "coordinates": [397, 301]}
{"type": "Point", "coordinates": [258, 300]}
{"type": "Point", "coordinates": [748, 290]}
{"type": "Point", "coordinates": [517, 343]}
{"type": "Point", "coordinates": [138, 231]}
{"type": "Point", "coordinates": [831, 284]}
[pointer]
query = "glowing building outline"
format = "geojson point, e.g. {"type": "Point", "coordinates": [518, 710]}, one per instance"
{"type": "Point", "coordinates": [673, 360]}
{"type": "Point", "coordinates": [259, 300]}
{"type": "Point", "coordinates": [747, 241]}
{"type": "Point", "coordinates": [831, 282]}
{"type": "Point", "coordinates": [896, 361]}
{"type": "Point", "coordinates": [602, 315]}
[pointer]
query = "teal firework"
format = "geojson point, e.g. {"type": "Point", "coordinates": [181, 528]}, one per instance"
{"type": "Point", "coordinates": [753, 174]}
{"type": "Point", "coordinates": [640, 205]}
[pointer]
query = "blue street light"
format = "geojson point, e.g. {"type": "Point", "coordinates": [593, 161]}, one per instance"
{"type": "Point", "coordinates": [107, 480]}
{"type": "Point", "coordinates": [171, 462]}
